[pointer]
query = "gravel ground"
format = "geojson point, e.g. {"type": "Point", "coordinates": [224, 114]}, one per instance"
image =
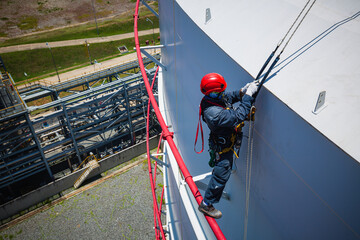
{"type": "Point", "coordinates": [119, 208]}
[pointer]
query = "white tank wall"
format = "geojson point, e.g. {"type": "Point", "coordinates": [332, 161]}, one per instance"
{"type": "Point", "coordinates": [303, 186]}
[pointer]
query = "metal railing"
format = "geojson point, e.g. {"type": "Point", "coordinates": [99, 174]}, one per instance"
{"type": "Point", "coordinates": [168, 136]}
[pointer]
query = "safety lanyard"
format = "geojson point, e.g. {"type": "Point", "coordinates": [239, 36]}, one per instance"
{"type": "Point", "coordinates": [197, 133]}
{"type": "Point", "coordinates": [200, 126]}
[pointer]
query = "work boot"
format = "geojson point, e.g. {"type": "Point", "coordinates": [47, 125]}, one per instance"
{"type": "Point", "coordinates": [209, 210]}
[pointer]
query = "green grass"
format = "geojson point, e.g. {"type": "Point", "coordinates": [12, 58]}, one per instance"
{"type": "Point", "coordinates": [27, 22]}
{"type": "Point", "coordinates": [38, 62]}
{"type": "Point", "coordinates": [124, 24]}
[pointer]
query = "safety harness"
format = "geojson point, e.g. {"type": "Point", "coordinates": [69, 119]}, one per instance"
{"type": "Point", "coordinates": [218, 144]}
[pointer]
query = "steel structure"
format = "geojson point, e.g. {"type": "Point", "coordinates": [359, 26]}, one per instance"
{"type": "Point", "coordinates": [10, 101]}
{"type": "Point", "coordinates": [102, 119]}
{"type": "Point", "coordinates": [37, 91]}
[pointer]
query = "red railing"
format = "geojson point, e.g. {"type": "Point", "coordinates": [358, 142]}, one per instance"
{"type": "Point", "coordinates": [157, 211]}
{"type": "Point", "coordinates": [168, 136]}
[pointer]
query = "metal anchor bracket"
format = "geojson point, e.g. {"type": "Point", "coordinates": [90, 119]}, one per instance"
{"type": "Point", "coordinates": [153, 157]}
{"type": "Point", "coordinates": [151, 10]}
{"type": "Point", "coordinates": [207, 15]}
{"type": "Point", "coordinates": [143, 51]}
{"type": "Point", "coordinates": [320, 104]}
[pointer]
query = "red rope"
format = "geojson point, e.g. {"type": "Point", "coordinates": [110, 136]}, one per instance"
{"type": "Point", "coordinates": [197, 133]}
{"type": "Point", "coordinates": [168, 136]}
{"type": "Point", "coordinates": [201, 128]}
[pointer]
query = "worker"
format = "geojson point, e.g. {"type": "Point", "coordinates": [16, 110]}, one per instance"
{"type": "Point", "coordinates": [222, 119]}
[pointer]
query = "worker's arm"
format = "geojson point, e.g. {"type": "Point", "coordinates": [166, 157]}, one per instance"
{"type": "Point", "coordinates": [233, 97]}
{"type": "Point", "coordinates": [217, 117]}
{"type": "Point", "coordinates": [236, 96]}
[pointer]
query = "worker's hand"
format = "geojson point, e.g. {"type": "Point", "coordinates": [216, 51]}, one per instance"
{"type": "Point", "coordinates": [243, 90]}
{"type": "Point", "coordinates": [252, 89]}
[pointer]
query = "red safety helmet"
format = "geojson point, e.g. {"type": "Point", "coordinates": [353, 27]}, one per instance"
{"type": "Point", "coordinates": [212, 82]}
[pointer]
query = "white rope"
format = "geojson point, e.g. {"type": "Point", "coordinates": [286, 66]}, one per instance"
{"type": "Point", "coordinates": [282, 40]}
{"type": "Point", "coordinates": [249, 158]}
{"type": "Point", "coordinates": [298, 24]}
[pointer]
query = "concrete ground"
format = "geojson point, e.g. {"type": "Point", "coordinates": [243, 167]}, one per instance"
{"type": "Point", "coordinates": [118, 208]}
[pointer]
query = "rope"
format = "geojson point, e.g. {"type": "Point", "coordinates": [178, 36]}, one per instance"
{"type": "Point", "coordinates": [197, 133]}
{"type": "Point", "coordinates": [278, 57]}
{"type": "Point", "coordinates": [282, 40]}
{"type": "Point", "coordinates": [249, 158]}
{"type": "Point", "coordinates": [278, 45]}
{"type": "Point", "coordinates": [298, 24]}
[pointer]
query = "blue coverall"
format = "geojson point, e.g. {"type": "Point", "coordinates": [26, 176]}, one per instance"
{"type": "Point", "coordinates": [222, 118]}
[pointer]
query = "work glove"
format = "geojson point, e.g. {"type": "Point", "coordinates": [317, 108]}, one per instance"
{"type": "Point", "coordinates": [252, 89]}
{"type": "Point", "coordinates": [243, 90]}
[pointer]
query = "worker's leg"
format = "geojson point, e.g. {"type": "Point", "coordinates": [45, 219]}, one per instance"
{"type": "Point", "coordinates": [220, 176]}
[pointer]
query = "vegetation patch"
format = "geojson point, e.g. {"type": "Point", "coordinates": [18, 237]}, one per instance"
{"type": "Point", "coordinates": [84, 16]}
{"type": "Point", "coordinates": [27, 22]}
{"type": "Point", "coordinates": [38, 62]}
{"type": "Point", "coordinates": [50, 10]}
{"type": "Point", "coordinates": [103, 13]}
{"type": "Point", "coordinates": [120, 25]}
{"type": "Point", "coordinates": [42, 9]}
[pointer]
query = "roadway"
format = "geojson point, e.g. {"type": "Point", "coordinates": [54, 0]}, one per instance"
{"type": "Point", "coordinates": [74, 42]}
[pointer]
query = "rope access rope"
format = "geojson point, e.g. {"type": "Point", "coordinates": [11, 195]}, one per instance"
{"type": "Point", "coordinates": [278, 57]}
{"type": "Point", "coordinates": [298, 24]}
{"type": "Point", "coordinates": [249, 156]}
{"type": "Point", "coordinates": [169, 136]}
{"type": "Point", "coordinates": [279, 44]}
{"type": "Point", "coordinates": [294, 22]}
